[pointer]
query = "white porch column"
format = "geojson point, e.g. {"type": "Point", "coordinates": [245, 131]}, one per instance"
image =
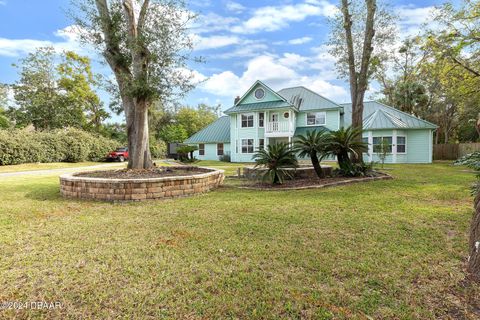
{"type": "Point", "coordinates": [290, 121]}
{"type": "Point", "coordinates": [394, 146]}
{"type": "Point", "coordinates": [370, 146]}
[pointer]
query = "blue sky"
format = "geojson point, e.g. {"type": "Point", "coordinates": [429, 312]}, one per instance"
{"type": "Point", "coordinates": [280, 42]}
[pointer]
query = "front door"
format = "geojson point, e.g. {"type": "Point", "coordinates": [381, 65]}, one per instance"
{"type": "Point", "coordinates": [274, 117]}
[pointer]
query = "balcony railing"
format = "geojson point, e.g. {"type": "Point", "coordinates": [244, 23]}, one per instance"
{"type": "Point", "coordinates": [277, 126]}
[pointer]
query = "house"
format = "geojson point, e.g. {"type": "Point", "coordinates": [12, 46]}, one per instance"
{"type": "Point", "coordinates": [263, 116]}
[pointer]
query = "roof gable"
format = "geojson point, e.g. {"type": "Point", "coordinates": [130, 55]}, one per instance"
{"type": "Point", "coordinates": [217, 131]}
{"type": "Point", "coordinates": [386, 118]}
{"type": "Point", "coordinates": [306, 99]}
{"type": "Point", "coordinates": [248, 107]}
{"type": "Point", "coordinates": [249, 96]}
{"type": "Point", "coordinates": [381, 119]}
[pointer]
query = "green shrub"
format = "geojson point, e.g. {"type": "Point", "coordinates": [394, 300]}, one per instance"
{"type": "Point", "coordinates": [66, 145]}
{"type": "Point", "coordinates": [277, 158]}
{"type": "Point", "coordinates": [158, 148]}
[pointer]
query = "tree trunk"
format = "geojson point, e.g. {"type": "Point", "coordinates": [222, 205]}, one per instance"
{"type": "Point", "coordinates": [474, 259]}
{"type": "Point", "coordinates": [477, 126]}
{"type": "Point", "coordinates": [316, 165]}
{"type": "Point", "coordinates": [139, 153]}
{"type": "Point", "coordinates": [359, 80]}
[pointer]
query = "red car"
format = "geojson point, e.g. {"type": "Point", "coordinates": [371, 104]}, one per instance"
{"type": "Point", "coordinates": [121, 154]}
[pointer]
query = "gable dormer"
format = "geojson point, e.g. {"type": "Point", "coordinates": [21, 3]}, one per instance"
{"type": "Point", "coordinates": [259, 92]}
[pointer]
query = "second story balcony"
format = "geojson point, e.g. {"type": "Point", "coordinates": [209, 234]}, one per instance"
{"type": "Point", "coordinates": [278, 128]}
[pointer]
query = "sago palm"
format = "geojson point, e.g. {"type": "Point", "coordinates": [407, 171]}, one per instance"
{"type": "Point", "coordinates": [313, 144]}
{"type": "Point", "coordinates": [276, 158]}
{"type": "Point", "coordinates": [344, 142]}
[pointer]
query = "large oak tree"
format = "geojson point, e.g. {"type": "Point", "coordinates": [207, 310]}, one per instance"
{"type": "Point", "coordinates": [360, 34]}
{"type": "Point", "coordinates": [146, 45]}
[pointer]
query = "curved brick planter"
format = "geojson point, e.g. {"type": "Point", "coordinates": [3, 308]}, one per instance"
{"type": "Point", "coordinates": [72, 186]}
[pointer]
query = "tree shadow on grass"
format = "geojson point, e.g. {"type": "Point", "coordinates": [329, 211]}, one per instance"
{"type": "Point", "coordinates": [43, 191]}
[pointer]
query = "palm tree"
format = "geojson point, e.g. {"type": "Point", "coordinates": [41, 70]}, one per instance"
{"type": "Point", "coordinates": [344, 144]}
{"type": "Point", "coordinates": [276, 158]}
{"type": "Point", "coordinates": [313, 144]}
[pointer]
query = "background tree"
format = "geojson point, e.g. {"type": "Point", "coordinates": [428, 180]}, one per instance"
{"type": "Point", "coordinates": [56, 91]}
{"type": "Point", "coordinates": [358, 37]}
{"type": "Point", "coordinates": [195, 119]}
{"type": "Point", "coordinates": [173, 133]}
{"type": "Point", "coordinates": [4, 120]}
{"type": "Point", "coordinates": [76, 81]}
{"type": "Point", "coordinates": [36, 93]}
{"type": "Point", "coordinates": [435, 75]}
{"type": "Point", "coordinates": [146, 45]}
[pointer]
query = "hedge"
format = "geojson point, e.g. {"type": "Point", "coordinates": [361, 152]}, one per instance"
{"type": "Point", "coordinates": [66, 145]}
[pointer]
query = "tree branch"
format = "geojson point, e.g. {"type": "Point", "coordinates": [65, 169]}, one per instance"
{"type": "Point", "coordinates": [347, 25]}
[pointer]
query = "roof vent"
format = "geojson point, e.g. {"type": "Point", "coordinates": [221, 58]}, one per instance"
{"type": "Point", "coordinates": [296, 101]}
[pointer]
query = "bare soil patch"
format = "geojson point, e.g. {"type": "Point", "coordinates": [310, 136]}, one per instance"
{"type": "Point", "coordinates": [141, 173]}
{"type": "Point", "coordinates": [312, 182]}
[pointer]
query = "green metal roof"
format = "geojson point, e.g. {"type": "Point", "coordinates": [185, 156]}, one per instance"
{"type": "Point", "coordinates": [259, 106]}
{"type": "Point", "coordinates": [303, 130]}
{"type": "Point", "coordinates": [306, 99]}
{"type": "Point", "coordinates": [217, 131]}
{"type": "Point", "coordinates": [377, 116]}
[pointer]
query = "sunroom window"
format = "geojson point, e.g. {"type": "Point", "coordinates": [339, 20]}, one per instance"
{"type": "Point", "coordinates": [401, 144]}
{"type": "Point", "coordinates": [377, 144]}
{"type": "Point", "coordinates": [316, 118]}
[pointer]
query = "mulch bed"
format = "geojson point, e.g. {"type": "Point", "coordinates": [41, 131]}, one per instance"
{"type": "Point", "coordinates": [311, 183]}
{"type": "Point", "coordinates": [140, 173]}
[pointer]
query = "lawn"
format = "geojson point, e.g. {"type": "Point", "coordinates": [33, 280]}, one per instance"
{"type": "Point", "coordinates": [380, 250]}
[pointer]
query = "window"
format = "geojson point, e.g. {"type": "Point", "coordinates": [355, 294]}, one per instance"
{"type": "Point", "coordinates": [401, 144]}
{"type": "Point", "coordinates": [365, 140]}
{"type": "Point", "coordinates": [316, 118]}
{"type": "Point", "coordinates": [377, 144]}
{"type": "Point", "coordinates": [286, 115]}
{"type": "Point", "coordinates": [201, 149]}
{"type": "Point", "coordinates": [247, 145]}
{"type": "Point", "coordinates": [261, 119]}
{"type": "Point", "coordinates": [247, 120]}
{"type": "Point", "coordinates": [259, 93]}
{"type": "Point", "coordinates": [219, 149]}
{"type": "Point", "coordinates": [261, 144]}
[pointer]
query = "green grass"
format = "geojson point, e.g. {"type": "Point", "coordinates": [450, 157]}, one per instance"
{"type": "Point", "coordinates": [383, 250]}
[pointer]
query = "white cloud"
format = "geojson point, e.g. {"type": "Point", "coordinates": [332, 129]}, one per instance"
{"type": "Point", "coordinates": [281, 74]}
{"type": "Point", "coordinates": [301, 40]}
{"type": "Point", "coordinates": [248, 49]}
{"type": "Point", "coordinates": [234, 7]}
{"type": "Point", "coordinates": [17, 47]}
{"type": "Point", "coordinates": [273, 18]}
{"type": "Point", "coordinates": [412, 19]}
{"type": "Point", "coordinates": [214, 42]}
{"type": "Point", "coordinates": [68, 40]}
{"type": "Point", "coordinates": [212, 22]}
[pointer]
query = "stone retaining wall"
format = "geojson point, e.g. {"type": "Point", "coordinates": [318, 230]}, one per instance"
{"type": "Point", "coordinates": [72, 186]}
